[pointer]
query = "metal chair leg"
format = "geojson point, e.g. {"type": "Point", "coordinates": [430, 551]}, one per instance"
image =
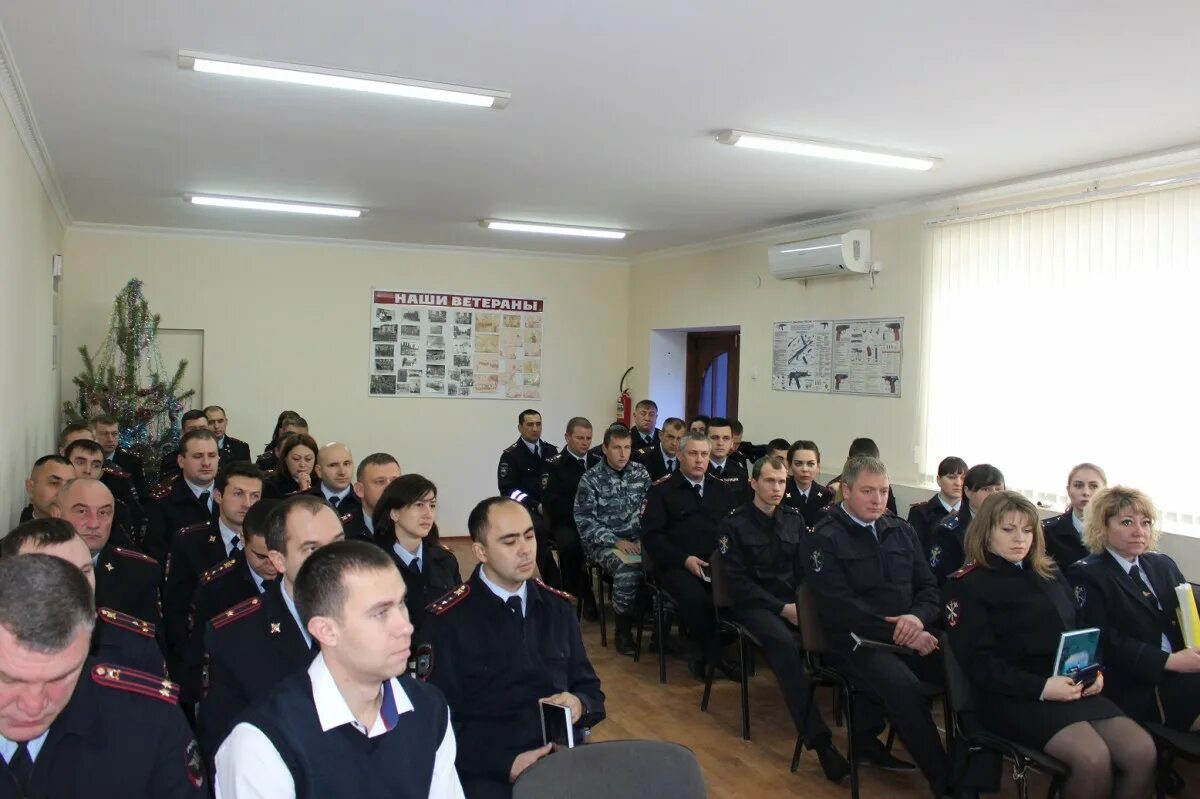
{"type": "Point", "coordinates": [600, 608]}
{"type": "Point", "coordinates": [745, 686]}
{"type": "Point", "coordinates": [797, 752]}
{"type": "Point", "coordinates": [709, 670]}
{"type": "Point", "coordinates": [851, 747]}
{"type": "Point", "coordinates": [637, 639]}
{"type": "Point", "coordinates": [661, 635]}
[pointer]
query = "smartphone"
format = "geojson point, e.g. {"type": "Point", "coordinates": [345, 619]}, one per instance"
{"type": "Point", "coordinates": [705, 574]}
{"type": "Point", "coordinates": [1087, 675]}
{"type": "Point", "coordinates": [556, 725]}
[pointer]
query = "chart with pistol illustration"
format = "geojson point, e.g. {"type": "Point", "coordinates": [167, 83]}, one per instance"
{"type": "Point", "coordinates": [838, 356]}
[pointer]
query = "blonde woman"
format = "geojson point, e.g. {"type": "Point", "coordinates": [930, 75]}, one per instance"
{"type": "Point", "coordinates": [1128, 590]}
{"type": "Point", "coordinates": [1064, 534]}
{"type": "Point", "coordinates": [1005, 612]}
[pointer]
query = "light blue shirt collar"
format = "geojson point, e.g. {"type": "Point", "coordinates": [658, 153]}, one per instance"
{"type": "Point", "coordinates": [198, 490]}
{"type": "Point", "coordinates": [291, 606]}
{"type": "Point", "coordinates": [9, 748]}
{"type": "Point", "coordinates": [500, 592]}
{"type": "Point", "coordinates": [221, 443]}
{"type": "Point", "coordinates": [227, 535]}
{"type": "Point", "coordinates": [341, 495]}
{"type": "Point", "coordinates": [874, 529]}
{"type": "Point", "coordinates": [256, 577]}
{"type": "Point", "coordinates": [1078, 524]}
{"type": "Point", "coordinates": [368, 522]}
{"type": "Point", "coordinates": [949, 508]}
{"type": "Point", "coordinates": [409, 557]}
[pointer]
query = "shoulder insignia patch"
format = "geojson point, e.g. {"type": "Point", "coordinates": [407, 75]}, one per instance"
{"type": "Point", "coordinates": [239, 611]}
{"type": "Point", "coordinates": [723, 545]}
{"type": "Point", "coordinates": [209, 575]}
{"type": "Point", "coordinates": [561, 594]}
{"type": "Point", "coordinates": [424, 666]}
{"type": "Point", "coordinates": [126, 622]}
{"type": "Point", "coordinates": [194, 764]}
{"type": "Point", "coordinates": [136, 682]}
{"type": "Point", "coordinates": [448, 549]}
{"type": "Point", "coordinates": [440, 606]}
{"type": "Point", "coordinates": [192, 528]}
{"type": "Point", "coordinates": [345, 517]}
{"type": "Point", "coordinates": [546, 478]}
{"type": "Point", "coordinates": [818, 560]}
{"type": "Point", "coordinates": [950, 522]}
{"type": "Point", "coordinates": [952, 613]}
{"type": "Point", "coordinates": [129, 553]}
{"type": "Point", "coordinates": [935, 556]}
{"type": "Point", "coordinates": [116, 471]}
{"type": "Point", "coordinates": [512, 447]}
{"type": "Point", "coordinates": [792, 509]}
{"type": "Point", "coordinates": [964, 571]}
{"type": "Point", "coordinates": [503, 469]}
{"type": "Point", "coordinates": [736, 511]}
{"type": "Point", "coordinates": [161, 490]}
{"type": "Point", "coordinates": [662, 479]}
{"type": "Point", "coordinates": [1081, 595]}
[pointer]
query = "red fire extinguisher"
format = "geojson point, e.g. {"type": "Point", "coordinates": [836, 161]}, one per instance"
{"type": "Point", "coordinates": [624, 402]}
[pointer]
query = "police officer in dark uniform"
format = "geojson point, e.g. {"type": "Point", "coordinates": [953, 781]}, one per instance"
{"type": "Point", "coordinates": [760, 547]}
{"type": "Point", "coordinates": [252, 645]}
{"type": "Point", "coordinates": [289, 422]}
{"type": "Point", "coordinates": [560, 483]}
{"type": "Point", "coordinates": [721, 463]}
{"type": "Point", "coordinates": [87, 459]}
{"type": "Point", "coordinates": [679, 533]}
{"type": "Point", "coordinates": [405, 517]}
{"type": "Point", "coordinates": [924, 516]}
{"type": "Point", "coordinates": [867, 447]}
{"type": "Point", "coordinates": [1064, 534]}
{"type": "Point", "coordinates": [232, 450]}
{"type": "Point", "coordinates": [1006, 612]}
{"type": "Point", "coordinates": [184, 500]}
{"type": "Point", "coordinates": [645, 415]}
{"type": "Point", "coordinates": [868, 577]}
{"type": "Point", "coordinates": [1146, 663]}
{"type": "Point", "coordinates": [47, 477]}
{"type": "Point", "coordinates": [191, 420]}
{"type": "Point", "coordinates": [107, 729]}
{"type": "Point", "coordinates": [662, 459]}
{"type": "Point", "coordinates": [521, 463]}
{"type": "Point", "coordinates": [496, 645]}
{"type": "Point", "coordinates": [107, 430]}
{"type": "Point", "coordinates": [804, 492]}
{"type": "Point", "coordinates": [945, 553]}
{"type": "Point", "coordinates": [285, 746]}
{"type": "Point", "coordinates": [200, 547]}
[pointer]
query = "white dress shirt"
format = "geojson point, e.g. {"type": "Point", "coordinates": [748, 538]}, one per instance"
{"type": "Point", "coordinates": [248, 765]}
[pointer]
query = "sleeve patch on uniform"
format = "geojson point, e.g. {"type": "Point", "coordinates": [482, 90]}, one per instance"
{"type": "Point", "coordinates": [424, 662]}
{"type": "Point", "coordinates": [952, 613]}
{"type": "Point", "coordinates": [723, 545]}
{"type": "Point", "coordinates": [818, 560]}
{"type": "Point", "coordinates": [193, 764]}
{"type": "Point", "coordinates": [503, 469]}
{"type": "Point", "coordinates": [935, 556]}
{"type": "Point", "coordinates": [1081, 595]}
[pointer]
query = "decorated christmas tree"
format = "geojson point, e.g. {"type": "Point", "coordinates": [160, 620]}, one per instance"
{"type": "Point", "coordinates": [126, 380]}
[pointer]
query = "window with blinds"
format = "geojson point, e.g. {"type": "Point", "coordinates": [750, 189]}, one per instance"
{"type": "Point", "coordinates": [1066, 334]}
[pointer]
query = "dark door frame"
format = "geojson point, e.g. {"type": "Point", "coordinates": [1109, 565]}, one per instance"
{"type": "Point", "coordinates": [702, 347]}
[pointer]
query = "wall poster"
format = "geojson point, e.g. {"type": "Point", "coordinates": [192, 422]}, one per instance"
{"type": "Point", "coordinates": [455, 345]}
{"type": "Point", "coordinates": [838, 356]}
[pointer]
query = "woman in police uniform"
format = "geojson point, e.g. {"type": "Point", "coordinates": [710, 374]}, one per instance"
{"type": "Point", "coordinates": [1064, 534]}
{"type": "Point", "coordinates": [293, 475]}
{"type": "Point", "coordinates": [1005, 612]}
{"type": "Point", "coordinates": [924, 516]}
{"type": "Point", "coordinates": [945, 550]}
{"type": "Point", "coordinates": [1146, 662]}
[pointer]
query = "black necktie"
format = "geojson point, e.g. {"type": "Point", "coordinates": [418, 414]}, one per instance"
{"type": "Point", "coordinates": [233, 544]}
{"type": "Point", "coordinates": [204, 495]}
{"type": "Point", "coordinates": [416, 565]}
{"type": "Point", "coordinates": [514, 604]}
{"type": "Point", "coordinates": [21, 766]}
{"type": "Point", "coordinates": [719, 471]}
{"type": "Point", "coordinates": [1136, 575]}
{"type": "Point", "coordinates": [670, 466]}
{"type": "Point", "coordinates": [699, 489]}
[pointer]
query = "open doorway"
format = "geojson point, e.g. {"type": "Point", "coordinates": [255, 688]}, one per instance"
{"type": "Point", "coordinates": [712, 373]}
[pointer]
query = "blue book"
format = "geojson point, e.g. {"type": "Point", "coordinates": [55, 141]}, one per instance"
{"type": "Point", "coordinates": [1076, 652]}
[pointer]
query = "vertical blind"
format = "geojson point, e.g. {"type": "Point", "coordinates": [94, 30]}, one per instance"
{"type": "Point", "coordinates": [1067, 334]}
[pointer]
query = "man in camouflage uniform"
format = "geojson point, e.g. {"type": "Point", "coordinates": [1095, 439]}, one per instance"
{"type": "Point", "coordinates": [608, 507]}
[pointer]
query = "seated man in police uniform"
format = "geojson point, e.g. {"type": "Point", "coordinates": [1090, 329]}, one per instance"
{"type": "Point", "coordinates": [335, 473]}
{"type": "Point", "coordinates": [108, 434]}
{"type": "Point", "coordinates": [117, 637]}
{"type": "Point", "coordinates": [560, 482]}
{"type": "Point", "coordinates": [49, 474]}
{"type": "Point", "coordinates": [191, 420]}
{"type": "Point", "coordinates": [184, 501]}
{"type": "Point", "coordinates": [520, 467]}
{"type": "Point", "coordinates": [375, 473]}
{"type": "Point", "coordinates": [353, 724]}
{"type": "Point", "coordinates": [496, 645]}
{"type": "Point", "coordinates": [97, 729]}
{"type": "Point", "coordinates": [233, 450]}
{"type": "Point", "coordinates": [662, 458]}
{"type": "Point", "coordinates": [723, 465]}
{"type": "Point", "coordinates": [645, 434]}
{"type": "Point", "coordinates": [869, 579]}
{"type": "Point", "coordinates": [256, 642]}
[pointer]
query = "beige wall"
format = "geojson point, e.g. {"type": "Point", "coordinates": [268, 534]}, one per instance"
{"type": "Point", "coordinates": [30, 235]}
{"type": "Point", "coordinates": [287, 325]}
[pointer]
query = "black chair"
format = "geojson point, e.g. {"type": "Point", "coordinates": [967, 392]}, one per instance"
{"type": "Point", "coordinates": [597, 579]}
{"type": "Point", "coordinates": [971, 734]}
{"type": "Point", "coordinates": [726, 626]}
{"type": "Point", "coordinates": [1172, 744]}
{"type": "Point", "coordinates": [645, 769]}
{"type": "Point", "coordinates": [660, 599]}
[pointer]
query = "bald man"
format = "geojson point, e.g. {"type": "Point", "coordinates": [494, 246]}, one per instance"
{"type": "Point", "coordinates": [335, 475]}
{"type": "Point", "coordinates": [126, 580]}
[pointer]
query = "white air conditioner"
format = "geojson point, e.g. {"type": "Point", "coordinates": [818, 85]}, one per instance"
{"type": "Point", "coordinates": [844, 254]}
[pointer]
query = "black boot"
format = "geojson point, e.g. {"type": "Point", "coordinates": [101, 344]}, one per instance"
{"type": "Point", "coordinates": [624, 643]}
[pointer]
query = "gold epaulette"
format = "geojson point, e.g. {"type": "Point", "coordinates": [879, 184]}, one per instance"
{"type": "Point", "coordinates": [192, 528]}
{"type": "Point", "coordinates": [130, 553]}
{"type": "Point", "coordinates": [239, 611]}
{"type": "Point", "coordinates": [561, 594]}
{"type": "Point", "coordinates": [126, 622]}
{"type": "Point", "coordinates": [440, 606]}
{"type": "Point", "coordinates": [209, 575]}
{"type": "Point", "coordinates": [161, 490]}
{"type": "Point", "coordinates": [965, 570]}
{"type": "Point", "coordinates": [136, 682]}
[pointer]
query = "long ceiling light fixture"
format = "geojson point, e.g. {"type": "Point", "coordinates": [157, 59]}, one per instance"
{"type": "Point", "coordinates": [552, 230]}
{"type": "Point", "coordinates": [250, 204]}
{"type": "Point", "coordinates": [341, 79]}
{"type": "Point", "coordinates": [823, 149]}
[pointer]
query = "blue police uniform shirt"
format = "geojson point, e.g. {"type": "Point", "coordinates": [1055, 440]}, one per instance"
{"type": "Point", "coordinates": [198, 490]}
{"type": "Point", "coordinates": [409, 557]}
{"type": "Point", "coordinates": [859, 521]}
{"type": "Point", "coordinates": [520, 593]}
{"type": "Point", "coordinates": [291, 606]}
{"type": "Point", "coordinates": [34, 745]}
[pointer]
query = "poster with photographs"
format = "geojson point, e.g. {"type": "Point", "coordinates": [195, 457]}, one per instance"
{"type": "Point", "coordinates": [838, 356]}
{"type": "Point", "coordinates": [455, 345]}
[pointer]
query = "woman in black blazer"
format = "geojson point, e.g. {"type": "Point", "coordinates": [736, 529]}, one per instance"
{"type": "Point", "coordinates": [924, 516]}
{"type": "Point", "coordinates": [293, 475]}
{"type": "Point", "coordinates": [945, 550]}
{"type": "Point", "coordinates": [406, 527]}
{"type": "Point", "coordinates": [1064, 533]}
{"type": "Point", "coordinates": [1146, 663]}
{"type": "Point", "coordinates": [1005, 612]}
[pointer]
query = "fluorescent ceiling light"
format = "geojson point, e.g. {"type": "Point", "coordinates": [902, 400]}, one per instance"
{"type": "Point", "coordinates": [341, 79]}
{"type": "Point", "coordinates": [819, 149]}
{"type": "Point", "coordinates": [552, 230]}
{"type": "Point", "coordinates": [273, 205]}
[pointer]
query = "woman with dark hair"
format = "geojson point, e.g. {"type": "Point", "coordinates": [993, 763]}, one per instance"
{"type": "Point", "coordinates": [274, 442]}
{"type": "Point", "coordinates": [289, 422]}
{"type": "Point", "coordinates": [924, 516]}
{"type": "Point", "coordinates": [405, 522]}
{"type": "Point", "coordinates": [860, 446]}
{"type": "Point", "coordinates": [1005, 613]}
{"type": "Point", "coordinates": [1064, 534]}
{"type": "Point", "coordinates": [945, 551]}
{"type": "Point", "coordinates": [297, 456]}
{"type": "Point", "coordinates": [1127, 589]}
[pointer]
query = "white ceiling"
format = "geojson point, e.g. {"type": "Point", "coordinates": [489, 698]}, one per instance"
{"type": "Point", "coordinates": [613, 107]}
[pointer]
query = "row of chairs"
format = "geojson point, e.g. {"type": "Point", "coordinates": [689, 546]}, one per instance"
{"type": "Point", "coordinates": [962, 728]}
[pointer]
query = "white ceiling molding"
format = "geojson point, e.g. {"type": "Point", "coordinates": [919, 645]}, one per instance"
{"type": "Point", "coordinates": [15, 100]}
{"type": "Point", "coordinates": [329, 241]}
{"type": "Point", "coordinates": [1062, 181]}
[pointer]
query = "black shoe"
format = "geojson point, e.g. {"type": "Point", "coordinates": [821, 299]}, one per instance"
{"type": "Point", "coordinates": [873, 754]}
{"type": "Point", "coordinates": [832, 763]}
{"type": "Point", "coordinates": [697, 668]}
{"type": "Point", "coordinates": [1172, 783]}
{"type": "Point", "coordinates": [624, 643]}
{"type": "Point", "coordinates": [729, 669]}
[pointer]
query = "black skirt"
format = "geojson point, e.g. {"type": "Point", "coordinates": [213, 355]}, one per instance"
{"type": "Point", "coordinates": [1034, 723]}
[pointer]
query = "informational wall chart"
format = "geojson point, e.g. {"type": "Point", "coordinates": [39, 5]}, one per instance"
{"type": "Point", "coordinates": [838, 356]}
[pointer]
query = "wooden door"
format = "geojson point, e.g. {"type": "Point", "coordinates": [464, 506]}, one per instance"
{"type": "Point", "coordinates": [712, 374]}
